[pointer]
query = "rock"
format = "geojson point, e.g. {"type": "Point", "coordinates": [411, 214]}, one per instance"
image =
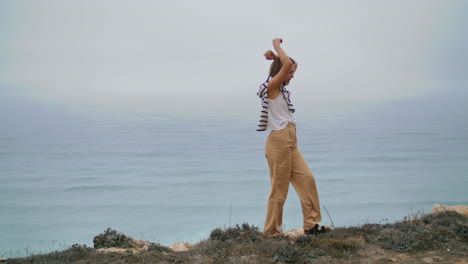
{"type": "Point", "coordinates": [143, 244]}
{"type": "Point", "coordinates": [428, 260]}
{"type": "Point", "coordinates": [294, 233]}
{"type": "Point", "coordinates": [437, 258]}
{"type": "Point", "coordinates": [180, 246]}
{"type": "Point", "coordinates": [380, 260]}
{"type": "Point", "coordinates": [461, 209]}
{"type": "Point", "coordinates": [137, 247]}
{"type": "Point", "coordinates": [115, 250]}
{"type": "Point", "coordinates": [393, 259]}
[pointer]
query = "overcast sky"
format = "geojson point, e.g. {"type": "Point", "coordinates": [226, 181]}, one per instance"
{"type": "Point", "coordinates": [207, 54]}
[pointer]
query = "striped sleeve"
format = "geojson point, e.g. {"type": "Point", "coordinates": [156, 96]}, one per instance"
{"type": "Point", "coordinates": [287, 96]}
{"type": "Point", "coordinates": [263, 94]}
{"type": "Point", "coordinates": [262, 91]}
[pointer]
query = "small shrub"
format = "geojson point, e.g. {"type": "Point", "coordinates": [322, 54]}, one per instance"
{"type": "Point", "coordinates": [428, 232]}
{"type": "Point", "coordinates": [240, 233]}
{"type": "Point", "coordinates": [289, 254]}
{"type": "Point", "coordinates": [303, 240]}
{"type": "Point", "coordinates": [446, 219]}
{"type": "Point", "coordinates": [335, 244]}
{"type": "Point", "coordinates": [334, 247]}
{"type": "Point", "coordinates": [112, 238]}
{"type": "Point", "coordinates": [158, 247]}
{"type": "Point", "coordinates": [456, 223]}
{"type": "Point", "coordinates": [371, 229]}
{"type": "Point", "coordinates": [82, 249]}
{"type": "Point", "coordinates": [217, 234]}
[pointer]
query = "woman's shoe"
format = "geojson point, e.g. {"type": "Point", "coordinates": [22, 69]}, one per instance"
{"type": "Point", "coordinates": [317, 229]}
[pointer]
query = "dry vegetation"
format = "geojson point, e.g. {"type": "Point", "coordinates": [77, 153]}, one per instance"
{"type": "Point", "coordinates": [435, 238]}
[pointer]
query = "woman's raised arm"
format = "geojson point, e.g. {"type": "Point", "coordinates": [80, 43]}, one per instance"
{"type": "Point", "coordinates": [280, 77]}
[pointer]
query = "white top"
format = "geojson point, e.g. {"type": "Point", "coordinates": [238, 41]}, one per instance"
{"type": "Point", "coordinates": [263, 94]}
{"type": "Point", "coordinates": [278, 113]}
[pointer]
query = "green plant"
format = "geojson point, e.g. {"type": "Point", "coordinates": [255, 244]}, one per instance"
{"type": "Point", "coordinates": [240, 233]}
{"type": "Point", "coordinates": [112, 238]}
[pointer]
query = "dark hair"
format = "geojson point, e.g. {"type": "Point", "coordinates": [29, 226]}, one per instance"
{"type": "Point", "coordinates": [276, 66]}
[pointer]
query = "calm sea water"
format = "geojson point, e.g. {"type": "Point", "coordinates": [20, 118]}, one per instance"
{"type": "Point", "coordinates": [67, 176]}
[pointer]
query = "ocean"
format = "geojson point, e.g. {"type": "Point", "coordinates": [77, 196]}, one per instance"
{"type": "Point", "coordinates": [68, 175]}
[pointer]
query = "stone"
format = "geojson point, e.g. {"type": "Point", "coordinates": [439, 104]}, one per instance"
{"type": "Point", "coordinates": [294, 233]}
{"type": "Point", "coordinates": [180, 246]}
{"type": "Point", "coordinates": [393, 259]}
{"type": "Point", "coordinates": [380, 260]}
{"type": "Point", "coordinates": [114, 250]}
{"type": "Point", "coordinates": [141, 244]}
{"type": "Point", "coordinates": [461, 209]}
{"type": "Point", "coordinates": [138, 246]}
{"type": "Point", "coordinates": [428, 260]}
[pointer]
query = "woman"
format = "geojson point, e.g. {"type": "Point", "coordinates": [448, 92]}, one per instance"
{"type": "Point", "coordinates": [284, 157]}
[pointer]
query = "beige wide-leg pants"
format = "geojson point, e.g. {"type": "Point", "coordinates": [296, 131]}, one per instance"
{"type": "Point", "coordinates": [288, 165]}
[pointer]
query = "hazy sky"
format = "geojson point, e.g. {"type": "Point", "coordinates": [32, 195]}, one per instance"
{"type": "Point", "coordinates": [207, 54]}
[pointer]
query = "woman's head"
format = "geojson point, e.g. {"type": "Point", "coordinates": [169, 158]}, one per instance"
{"type": "Point", "coordinates": [276, 67]}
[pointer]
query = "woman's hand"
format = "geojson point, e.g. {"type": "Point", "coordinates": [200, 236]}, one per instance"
{"type": "Point", "coordinates": [270, 55]}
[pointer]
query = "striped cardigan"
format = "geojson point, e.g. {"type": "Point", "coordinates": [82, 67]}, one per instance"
{"type": "Point", "coordinates": [263, 94]}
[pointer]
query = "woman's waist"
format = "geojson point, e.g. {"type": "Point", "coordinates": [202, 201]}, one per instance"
{"type": "Point", "coordinates": [276, 126]}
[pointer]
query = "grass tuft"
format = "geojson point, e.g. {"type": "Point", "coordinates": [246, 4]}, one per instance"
{"type": "Point", "coordinates": [240, 233]}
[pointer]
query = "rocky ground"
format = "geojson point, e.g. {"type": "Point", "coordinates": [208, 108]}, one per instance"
{"type": "Point", "coordinates": [440, 237]}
